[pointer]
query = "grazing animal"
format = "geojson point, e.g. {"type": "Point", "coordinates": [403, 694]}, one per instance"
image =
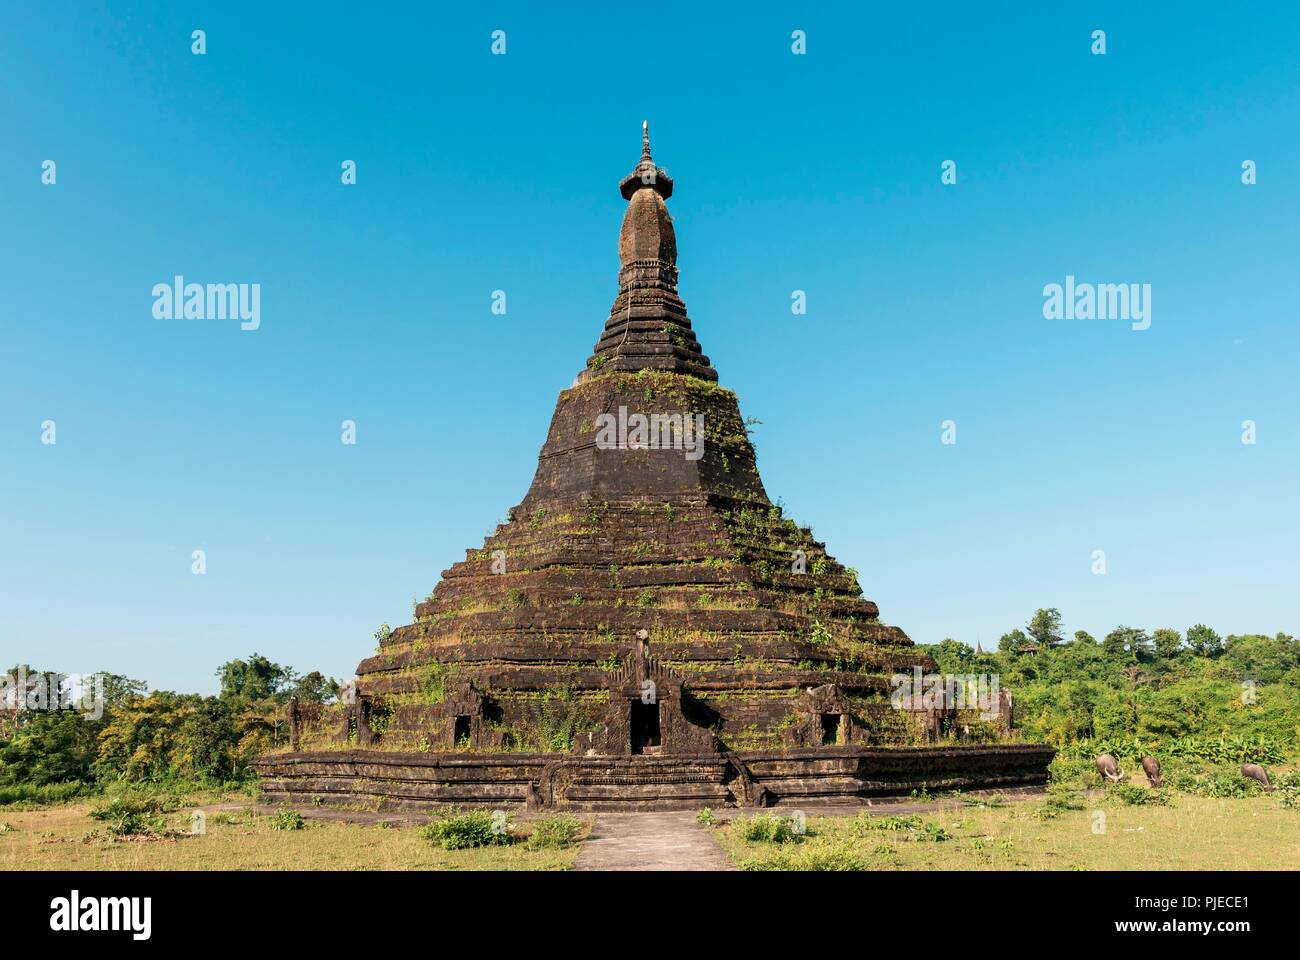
{"type": "Point", "coordinates": [1254, 771]}
{"type": "Point", "coordinates": [1108, 768]}
{"type": "Point", "coordinates": [1151, 767]}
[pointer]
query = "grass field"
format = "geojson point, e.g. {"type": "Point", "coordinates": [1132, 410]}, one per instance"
{"type": "Point", "coordinates": [1193, 833]}
{"type": "Point", "coordinates": [65, 837]}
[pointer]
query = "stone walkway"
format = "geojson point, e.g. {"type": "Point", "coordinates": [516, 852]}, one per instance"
{"type": "Point", "coordinates": [650, 841]}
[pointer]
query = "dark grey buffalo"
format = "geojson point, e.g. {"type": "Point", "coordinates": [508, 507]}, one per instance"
{"type": "Point", "coordinates": [1254, 771]}
{"type": "Point", "coordinates": [1108, 768]}
{"type": "Point", "coordinates": [1151, 767]}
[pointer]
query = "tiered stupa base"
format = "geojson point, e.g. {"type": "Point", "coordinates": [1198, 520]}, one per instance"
{"type": "Point", "coordinates": [381, 781]}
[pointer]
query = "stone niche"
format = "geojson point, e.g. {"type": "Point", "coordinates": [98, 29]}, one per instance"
{"type": "Point", "coordinates": [649, 713]}
{"type": "Point", "coordinates": [823, 719]}
{"type": "Point", "coordinates": [465, 725]}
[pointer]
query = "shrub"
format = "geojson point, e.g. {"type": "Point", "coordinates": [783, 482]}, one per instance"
{"type": "Point", "coordinates": [914, 826]}
{"type": "Point", "coordinates": [1288, 790]}
{"type": "Point", "coordinates": [554, 833]}
{"type": "Point", "coordinates": [1057, 801]}
{"type": "Point", "coordinates": [930, 833]}
{"type": "Point", "coordinates": [127, 816]}
{"type": "Point", "coordinates": [26, 793]}
{"type": "Point", "coordinates": [1132, 795]}
{"type": "Point", "coordinates": [1072, 771]}
{"type": "Point", "coordinates": [462, 831]}
{"type": "Point", "coordinates": [767, 828]}
{"type": "Point", "coordinates": [1216, 783]}
{"type": "Point", "coordinates": [891, 823]}
{"type": "Point", "coordinates": [706, 818]}
{"type": "Point", "coordinates": [287, 820]}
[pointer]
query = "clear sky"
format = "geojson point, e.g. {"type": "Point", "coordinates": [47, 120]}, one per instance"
{"type": "Point", "coordinates": [477, 172]}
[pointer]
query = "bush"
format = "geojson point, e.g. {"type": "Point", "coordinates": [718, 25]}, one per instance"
{"type": "Point", "coordinates": [1059, 800]}
{"type": "Point", "coordinates": [837, 857]}
{"type": "Point", "coordinates": [554, 833]}
{"type": "Point", "coordinates": [767, 829]}
{"type": "Point", "coordinates": [1288, 790]}
{"type": "Point", "coordinates": [1132, 795]}
{"type": "Point", "coordinates": [287, 820]}
{"type": "Point", "coordinates": [1216, 784]}
{"type": "Point", "coordinates": [866, 821]}
{"type": "Point", "coordinates": [1233, 748]}
{"type": "Point", "coordinates": [130, 816]}
{"type": "Point", "coordinates": [462, 831]}
{"type": "Point", "coordinates": [914, 826]}
{"type": "Point", "coordinates": [1077, 771]}
{"type": "Point", "coordinates": [706, 818]}
{"type": "Point", "coordinates": [26, 793]}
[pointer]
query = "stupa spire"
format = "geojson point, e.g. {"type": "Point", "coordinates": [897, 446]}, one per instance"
{"type": "Point", "coordinates": [647, 327]}
{"type": "Point", "coordinates": [645, 174]}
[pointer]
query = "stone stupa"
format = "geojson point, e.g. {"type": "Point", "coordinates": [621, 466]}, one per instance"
{"type": "Point", "coordinates": [647, 627]}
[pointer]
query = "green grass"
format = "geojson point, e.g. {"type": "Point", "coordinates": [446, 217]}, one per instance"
{"type": "Point", "coordinates": [1063, 831]}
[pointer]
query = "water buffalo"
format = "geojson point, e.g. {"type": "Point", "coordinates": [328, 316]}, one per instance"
{"type": "Point", "coordinates": [1108, 768]}
{"type": "Point", "coordinates": [1151, 767]}
{"type": "Point", "coordinates": [1254, 771]}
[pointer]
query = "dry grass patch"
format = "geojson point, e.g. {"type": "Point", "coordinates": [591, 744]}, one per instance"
{"type": "Point", "coordinates": [66, 838]}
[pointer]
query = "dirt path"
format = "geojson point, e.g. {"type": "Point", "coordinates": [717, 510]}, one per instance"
{"type": "Point", "coordinates": [650, 841]}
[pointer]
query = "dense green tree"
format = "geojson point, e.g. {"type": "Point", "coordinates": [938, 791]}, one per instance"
{"type": "Point", "coordinates": [1129, 644]}
{"type": "Point", "coordinates": [315, 687]}
{"type": "Point", "coordinates": [1262, 659]}
{"type": "Point", "coordinates": [1045, 627]}
{"type": "Point", "coordinates": [1012, 641]}
{"type": "Point", "coordinates": [1204, 642]}
{"type": "Point", "coordinates": [50, 747]}
{"type": "Point", "coordinates": [953, 657]}
{"type": "Point", "coordinates": [1167, 643]}
{"type": "Point", "coordinates": [256, 678]}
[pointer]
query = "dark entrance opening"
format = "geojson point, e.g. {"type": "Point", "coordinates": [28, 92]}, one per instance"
{"type": "Point", "coordinates": [645, 726]}
{"type": "Point", "coordinates": [830, 729]}
{"type": "Point", "coordinates": [461, 731]}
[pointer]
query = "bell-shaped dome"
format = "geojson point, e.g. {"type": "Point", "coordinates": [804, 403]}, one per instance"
{"type": "Point", "coordinates": [647, 232]}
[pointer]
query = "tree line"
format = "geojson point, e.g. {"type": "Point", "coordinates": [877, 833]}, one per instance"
{"type": "Point", "coordinates": [1163, 685]}
{"type": "Point", "coordinates": [157, 736]}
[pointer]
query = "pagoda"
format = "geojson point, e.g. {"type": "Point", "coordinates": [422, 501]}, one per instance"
{"type": "Point", "coordinates": [647, 627]}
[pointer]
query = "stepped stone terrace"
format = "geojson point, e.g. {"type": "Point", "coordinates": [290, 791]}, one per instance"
{"type": "Point", "coordinates": [647, 629]}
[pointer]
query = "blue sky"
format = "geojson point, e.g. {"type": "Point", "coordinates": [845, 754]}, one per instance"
{"type": "Point", "coordinates": [477, 172]}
